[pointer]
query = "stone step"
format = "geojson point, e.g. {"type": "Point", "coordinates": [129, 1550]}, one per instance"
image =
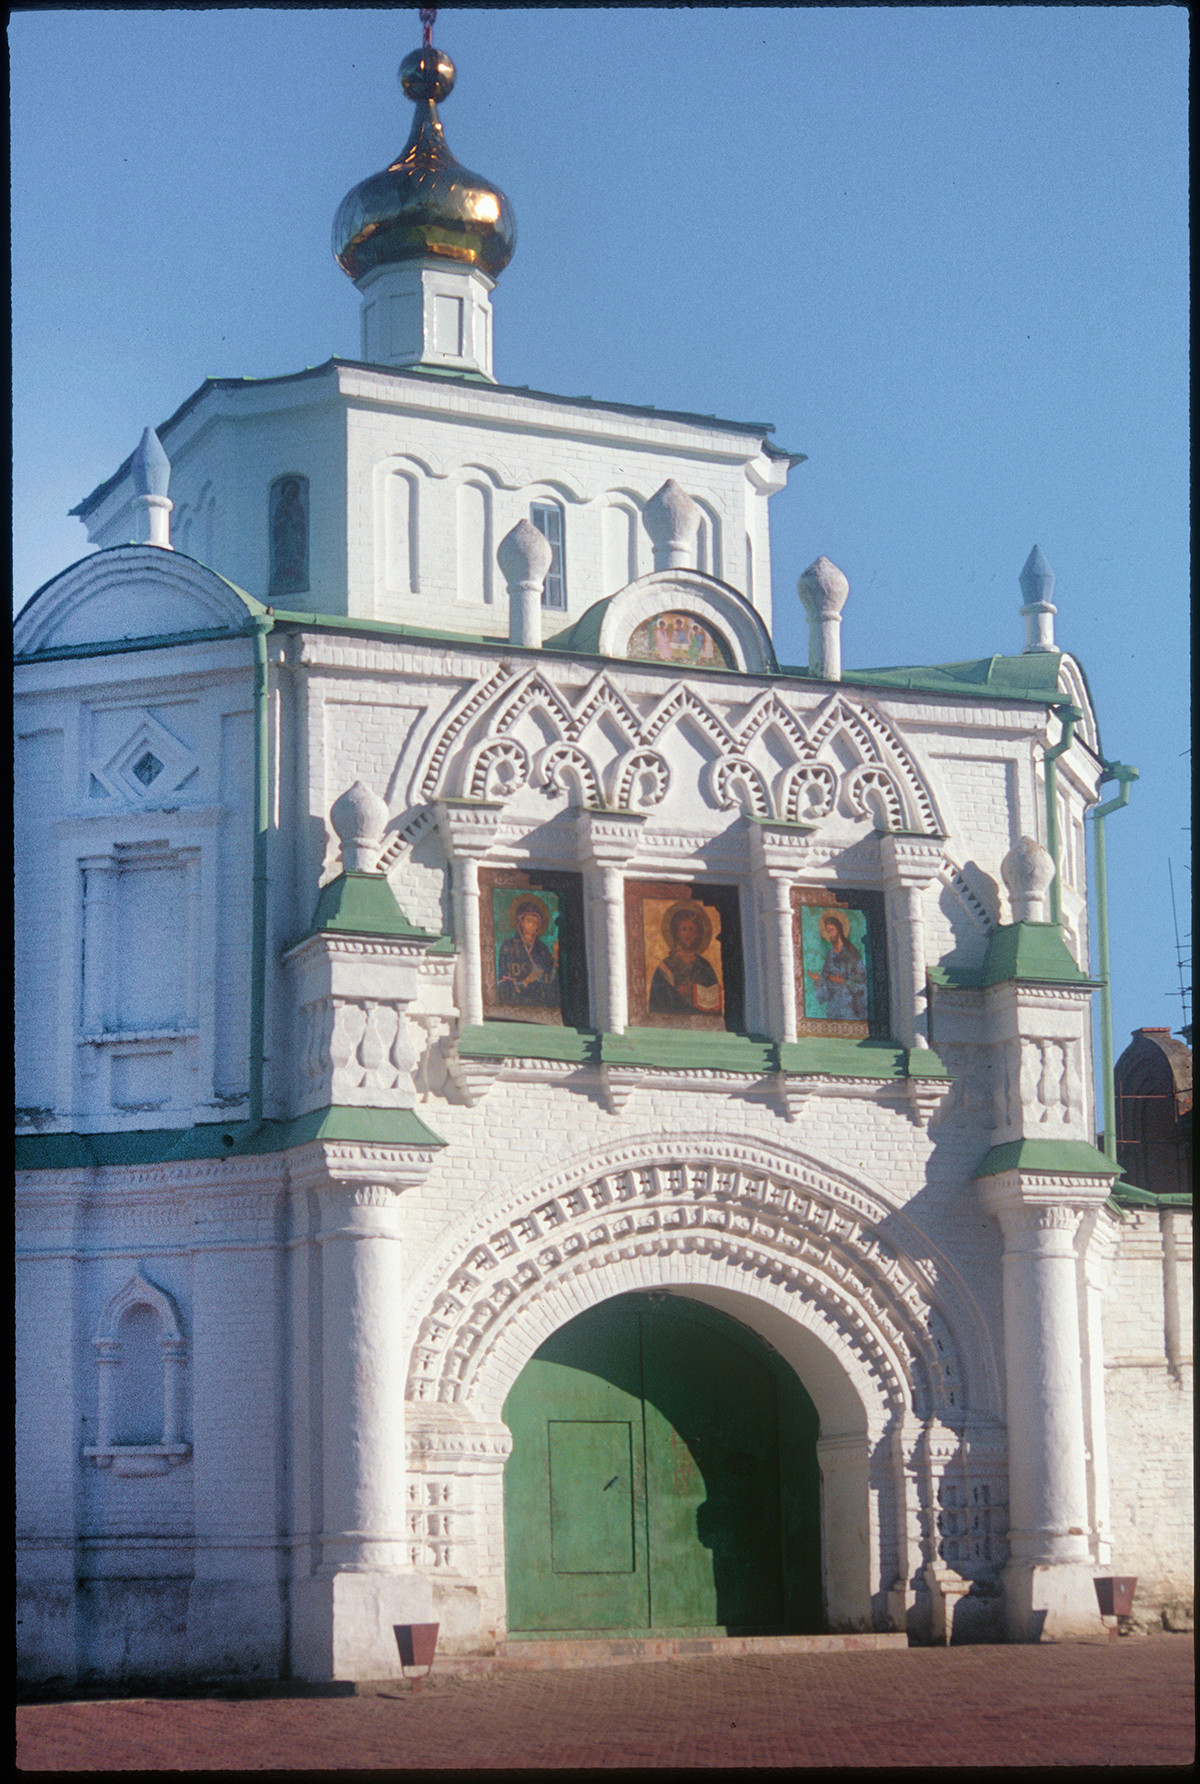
{"type": "Point", "coordinates": [564, 1652]}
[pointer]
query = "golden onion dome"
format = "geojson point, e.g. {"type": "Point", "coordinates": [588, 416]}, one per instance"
{"type": "Point", "coordinates": [426, 205]}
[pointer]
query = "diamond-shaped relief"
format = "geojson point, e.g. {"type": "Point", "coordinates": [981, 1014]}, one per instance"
{"type": "Point", "coordinates": [151, 760]}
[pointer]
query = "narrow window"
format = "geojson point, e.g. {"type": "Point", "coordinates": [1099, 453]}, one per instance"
{"type": "Point", "coordinates": [547, 517]}
{"type": "Point", "coordinates": [289, 536]}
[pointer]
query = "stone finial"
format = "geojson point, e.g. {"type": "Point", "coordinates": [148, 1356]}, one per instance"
{"type": "Point", "coordinates": [524, 556]}
{"type": "Point", "coordinates": [823, 590]}
{"type": "Point", "coordinates": [1027, 871]}
{"type": "Point", "coordinates": [151, 473]}
{"type": "Point", "coordinates": [359, 817]}
{"type": "Point", "coordinates": [1037, 586]}
{"type": "Point", "coordinates": [672, 520]}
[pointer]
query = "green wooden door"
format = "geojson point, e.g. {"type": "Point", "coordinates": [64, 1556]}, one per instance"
{"type": "Point", "coordinates": [575, 1484]}
{"type": "Point", "coordinates": [663, 1476]}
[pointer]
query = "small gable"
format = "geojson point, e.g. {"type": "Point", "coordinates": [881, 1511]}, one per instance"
{"type": "Point", "coordinates": [130, 591]}
{"type": "Point", "coordinates": [679, 618]}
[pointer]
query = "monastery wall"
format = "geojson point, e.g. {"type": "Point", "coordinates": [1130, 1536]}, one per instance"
{"type": "Point", "coordinates": [1148, 1396]}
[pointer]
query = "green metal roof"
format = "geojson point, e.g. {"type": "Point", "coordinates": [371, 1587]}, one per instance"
{"type": "Point", "coordinates": [167, 1145]}
{"type": "Point", "coordinates": [1032, 677]}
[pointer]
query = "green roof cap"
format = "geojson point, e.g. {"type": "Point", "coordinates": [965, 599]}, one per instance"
{"type": "Point", "coordinates": [1031, 952]}
{"type": "Point", "coordinates": [359, 903]}
{"type": "Point", "coordinates": [1062, 1158]}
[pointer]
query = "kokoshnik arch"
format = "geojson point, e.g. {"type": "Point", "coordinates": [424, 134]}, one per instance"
{"type": "Point", "coordinates": [536, 1116]}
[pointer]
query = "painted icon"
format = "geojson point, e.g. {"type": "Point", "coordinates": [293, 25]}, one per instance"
{"type": "Point", "coordinates": [526, 931]}
{"type": "Point", "coordinates": [839, 964]}
{"type": "Point", "coordinates": [679, 938]}
{"type": "Point", "coordinates": [533, 965]}
{"type": "Point", "coordinates": [680, 638]}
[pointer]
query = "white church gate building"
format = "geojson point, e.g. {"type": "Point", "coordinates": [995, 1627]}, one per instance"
{"type": "Point", "coordinates": [535, 1116]}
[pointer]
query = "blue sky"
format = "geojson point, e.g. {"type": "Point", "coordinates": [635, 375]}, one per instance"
{"type": "Point", "coordinates": [942, 249]}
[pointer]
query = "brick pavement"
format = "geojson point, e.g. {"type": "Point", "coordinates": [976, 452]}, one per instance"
{"type": "Point", "coordinates": [1122, 1704]}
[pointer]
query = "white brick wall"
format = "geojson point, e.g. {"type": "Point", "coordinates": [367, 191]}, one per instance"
{"type": "Point", "coordinates": [1148, 1392]}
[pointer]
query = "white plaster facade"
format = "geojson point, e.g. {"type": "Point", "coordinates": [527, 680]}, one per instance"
{"type": "Point", "coordinates": [269, 1313]}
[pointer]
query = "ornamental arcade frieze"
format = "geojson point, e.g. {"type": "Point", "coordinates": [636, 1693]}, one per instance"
{"type": "Point", "coordinates": [603, 745]}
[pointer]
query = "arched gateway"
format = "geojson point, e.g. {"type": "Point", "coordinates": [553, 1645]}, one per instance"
{"type": "Point", "coordinates": [781, 1256]}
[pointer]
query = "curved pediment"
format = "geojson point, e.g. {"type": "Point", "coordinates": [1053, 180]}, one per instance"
{"type": "Point", "coordinates": [679, 618]}
{"type": "Point", "coordinates": [130, 591]}
{"type": "Point", "coordinates": [1073, 684]}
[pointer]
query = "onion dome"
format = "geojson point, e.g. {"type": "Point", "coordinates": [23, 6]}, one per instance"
{"type": "Point", "coordinates": [426, 205]}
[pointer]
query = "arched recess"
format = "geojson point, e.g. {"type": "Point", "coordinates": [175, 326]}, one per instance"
{"type": "Point", "coordinates": [144, 1314]}
{"type": "Point", "coordinates": [398, 482]}
{"type": "Point", "coordinates": [473, 540]}
{"type": "Point", "coordinates": [710, 558]}
{"type": "Point", "coordinates": [881, 1332]}
{"type": "Point", "coordinates": [620, 534]}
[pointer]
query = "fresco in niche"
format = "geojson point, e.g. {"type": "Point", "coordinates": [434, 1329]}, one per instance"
{"type": "Point", "coordinates": [531, 945]}
{"type": "Point", "coordinates": [684, 965]}
{"type": "Point", "coordinates": [841, 983]}
{"type": "Point", "coordinates": [680, 638]}
{"type": "Point", "coordinates": [289, 536]}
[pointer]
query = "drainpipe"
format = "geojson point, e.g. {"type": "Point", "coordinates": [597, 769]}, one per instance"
{"type": "Point", "coordinates": [259, 628]}
{"type": "Point", "coordinates": [1070, 716]}
{"type": "Point", "coordinates": [1125, 777]}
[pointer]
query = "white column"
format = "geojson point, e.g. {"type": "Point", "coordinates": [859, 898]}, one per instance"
{"type": "Point", "coordinates": [1049, 1575]}
{"type": "Point", "coordinates": [173, 1361]}
{"type": "Point", "coordinates": [1044, 1370]}
{"type": "Point", "coordinates": [777, 851]}
{"type": "Point", "coordinates": [608, 841]}
{"type": "Point", "coordinates": [362, 1377]}
{"type": "Point", "coordinates": [783, 988]}
{"type": "Point", "coordinates": [363, 1585]}
{"type": "Point", "coordinates": [468, 827]}
{"type": "Point", "coordinates": [466, 917]}
{"type": "Point", "coordinates": [914, 1012]}
{"type": "Point", "coordinates": [910, 864]}
{"type": "Point", "coordinates": [614, 987]}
